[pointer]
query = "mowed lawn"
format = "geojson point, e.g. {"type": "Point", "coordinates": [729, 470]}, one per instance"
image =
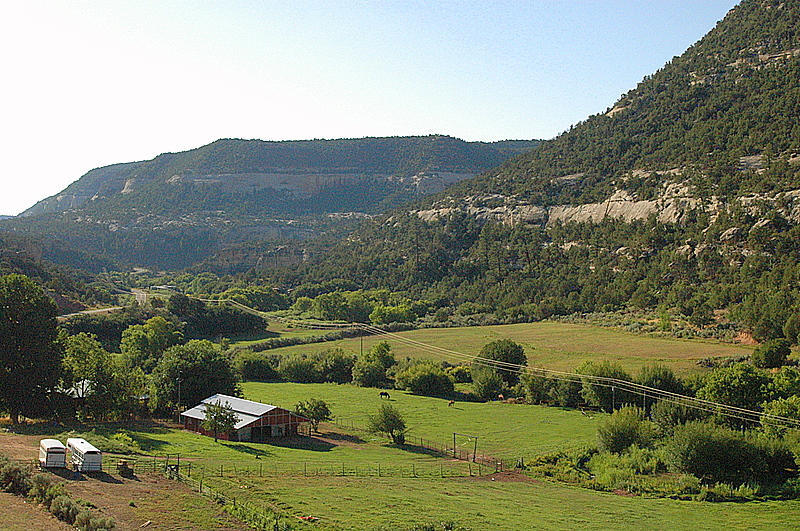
{"type": "Point", "coordinates": [559, 346]}
{"type": "Point", "coordinates": [506, 431]}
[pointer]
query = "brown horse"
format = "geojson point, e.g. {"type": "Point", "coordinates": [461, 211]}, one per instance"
{"type": "Point", "coordinates": [384, 394]}
{"type": "Point", "coordinates": [451, 403]}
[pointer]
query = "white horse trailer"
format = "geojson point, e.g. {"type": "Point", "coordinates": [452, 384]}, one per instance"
{"type": "Point", "coordinates": [52, 454]}
{"type": "Point", "coordinates": [85, 457]}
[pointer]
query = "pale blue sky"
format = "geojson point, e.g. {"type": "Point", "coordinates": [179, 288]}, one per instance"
{"type": "Point", "coordinates": [93, 83]}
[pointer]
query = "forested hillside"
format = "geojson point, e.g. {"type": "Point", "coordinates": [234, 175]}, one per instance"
{"type": "Point", "coordinates": [684, 195]}
{"type": "Point", "coordinates": [71, 289]}
{"type": "Point", "coordinates": [180, 208]}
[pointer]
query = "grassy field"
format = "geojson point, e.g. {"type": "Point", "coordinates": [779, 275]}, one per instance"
{"type": "Point", "coordinates": [303, 478]}
{"type": "Point", "coordinates": [505, 503]}
{"type": "Point", "coordinates": [504, 430]}
{"type": "Point", "coordinates": [559, 346]}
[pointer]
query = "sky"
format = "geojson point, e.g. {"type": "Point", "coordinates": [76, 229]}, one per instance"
{"type": "Point", "coordinates": [90, 83]}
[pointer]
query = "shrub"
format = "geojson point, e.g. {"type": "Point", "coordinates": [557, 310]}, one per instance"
{"type": "Point", "coordinates": [782, 407]}
{"type": "Point", "coordinates": [537, 389]}
{"type": "Point", "coordinates": [15, 478]}
{"type": "Point", "coordinates": [121, 443]}
{"type": "Point", "coordinates": [566, 393]}
{"type": "Point", "coordinates": [369, 374]}
{"type": "Point", "coordinates": [336, 365]}
{"type": "Point", "coordinates": [741, 385]}
{"type": "Point", "coordinates": [771, 354]}
{"type": "Point", "coordinates": [718, 454]}
{"type": "Point", "coordinates": [507, 351]}
{"type": "Point", "coordinates": [250, 365]}
{"type": "Point", "coordinates": [389, 421]}
{"type": "Point", "coordinates": [667, 415]}
{"type": "Point", "coordinates": [486, 382]}
{"type": "Point", "coordinates": [604, 396]}
{"type": "Point", "coordinates": [299, 369]}
{"type": "Point", "coordinates": [64, 508]}
{"type": "Point", "coordinates": [660, 377]}
{"type": "Point", "coordinates": [791, 329]}
{"type": "Point", "coordinates": [424, 378]}
{"type": "Point", "coordinates": [624, 428]}
{"type": "Point", "coordinates": [459, 373]}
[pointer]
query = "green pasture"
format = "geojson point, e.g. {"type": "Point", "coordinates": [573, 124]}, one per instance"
{"type": "Point", "coordinates": [503, 430]}
{"type": "Point", "coordinates": [559, 346]}
{"type": "Point", "coordinates": [480, 503]}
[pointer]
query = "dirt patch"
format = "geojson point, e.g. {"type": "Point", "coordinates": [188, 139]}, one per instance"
{"type": "Point", "coordinates": [20, 446]}
{"type": "Point", "coordinates": [166, 504]}
{"type": "Point", "coordinates": [745, 338]}
{"type": "Point", "coordinates": [506, 477]}
{"type": "Point", "coordinates": [19, 514]}
{"type": "Point", "coordinates": [621, 492]}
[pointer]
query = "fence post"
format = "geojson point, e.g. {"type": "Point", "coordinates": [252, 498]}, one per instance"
{"type": "Point", "coordinates": [190, 469]}
{"type": "Point", "coordinates": [413, 470]}
{"type": "Point", "coordinates": [470, 467]}
{"type": "Point", "coordinates": [379, 470]}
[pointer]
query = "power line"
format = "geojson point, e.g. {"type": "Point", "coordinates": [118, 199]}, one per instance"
{"type": "Point", "coordinates": [600, 381]}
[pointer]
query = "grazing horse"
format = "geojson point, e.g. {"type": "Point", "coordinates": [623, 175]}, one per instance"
{"type": "Point", "coordinates": [501, 397]}
{"type": "Point", "coordinates": [384, 394]}
{"type": "Point", "coordinates": [451, 403]}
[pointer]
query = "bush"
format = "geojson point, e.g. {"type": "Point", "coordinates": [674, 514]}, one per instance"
{"type": "Point", "coordinates": [15, 478]}
{"type": "Point", "coordinates": [625, 427]}
{"type": "Point", "coordinates": [251, 365]}
{"type": "Point", "coordinates": [486, 382]}
{"type": "Point", "coordinates": [537, 389]}
{"type": "Point", "coordinates": [785, 383]}
{"type": "Point", "coordinates": [64, 508]}
{"type": "Point", "coordinates": [424, 378]}
{"type": "Point", "coordinates": [717, 454]}
{"type": "Point", "coordinates": [660, 377]}
{"type": "Point", "coordinates": [791, 329]}
{"type": "Point", "coordinates": [603, 396]}
{"type": "Point", "coordinates": [566, 393]}
{"type": "Point", "coordinates": [389, 421]}
{"type": "Point", "coordinates": [336, 365]}
{"type": "Point", "coordinates": [782, 407]}
{"type": "Point", "coordinates": [369, 374]}
{"type": "Point", "coordinates": [667, 415]}
{"type": "Point", "coordinates": [741, 385]}
{"type": "Point", "coordinates": [771, 354]}
{"type": "Point", "coordinates": [507, 351]}
{"type": "Point", "coordinates": [459, 373]}
{"type": "Point", "coordinates": [299, 369]}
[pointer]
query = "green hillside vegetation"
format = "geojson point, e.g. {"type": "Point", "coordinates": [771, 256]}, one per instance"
{"type": "Point", "coordinates": [550, 345]}
{"type": "Point", "coordinates": [181, 208]}
{"type": "Point", "coordinates": [711, 140]}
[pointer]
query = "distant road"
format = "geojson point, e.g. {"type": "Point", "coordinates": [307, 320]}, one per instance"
{"type": "Point", "coordinates": [88, 312]}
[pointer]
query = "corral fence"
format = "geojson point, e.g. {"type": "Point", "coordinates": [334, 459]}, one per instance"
{"type": "Point", "coordinates": [443, 449]}
{"type": "Point", "coordinates": [198, 470]}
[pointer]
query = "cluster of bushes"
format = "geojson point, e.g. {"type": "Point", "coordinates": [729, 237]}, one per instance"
{"type": "Point", "coordinates": [22, 481]}
{"type": "Point", "coordinates": [361, 306]}
{"type": "Point", "coordinates": [376, 368]}
{"type": "Point", "coordinates": [632, 445]}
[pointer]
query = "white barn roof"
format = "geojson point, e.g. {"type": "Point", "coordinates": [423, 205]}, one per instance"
{"type": "Point", "coordinates": [246, 410]}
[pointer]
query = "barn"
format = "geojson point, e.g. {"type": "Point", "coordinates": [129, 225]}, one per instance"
{"type": "Point", "coordinates": [257, 422]}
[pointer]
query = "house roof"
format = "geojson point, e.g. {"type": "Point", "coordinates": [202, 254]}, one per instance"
{"type": "Point", "coordinates": [246, 410]}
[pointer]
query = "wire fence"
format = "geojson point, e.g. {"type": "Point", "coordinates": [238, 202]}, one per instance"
{"type": "Point", "coordinates": [442, 449]}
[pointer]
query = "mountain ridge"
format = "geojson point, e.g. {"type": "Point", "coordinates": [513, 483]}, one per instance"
{"type": "Point", "coordinates": [683, 194]}
{"type": "Point", "coordinates": [178, 209]}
